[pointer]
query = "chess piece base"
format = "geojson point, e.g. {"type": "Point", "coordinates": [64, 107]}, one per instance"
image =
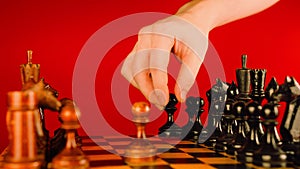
{"type": "Point", "coordinates": [68, 159]}
{"type": "Point", "coordinates": [173, 131]}
{"type": "Point", "coordinates": [275, 159]}
{"type": "Point", "coordinates": [23, 165]}
{"type": "Point", "coordinates": [140, 151]}
{"type": "Point", "coordinates": [138, 161]}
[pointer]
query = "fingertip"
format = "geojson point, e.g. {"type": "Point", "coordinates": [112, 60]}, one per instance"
{"type": "Point", "coordinates": [180, 93]}
{"type": "Point", "coordinates": [159, 98]}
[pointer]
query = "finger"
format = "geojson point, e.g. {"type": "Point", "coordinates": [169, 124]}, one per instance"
{"type": "Point", "coordinates": [126, 69]}
{"type": "Point", "coordinates": [144, 83]}
{"type": "Point", "coordinates": [187, 74]}
{"type": "Point", "coordinates": [159, 60]}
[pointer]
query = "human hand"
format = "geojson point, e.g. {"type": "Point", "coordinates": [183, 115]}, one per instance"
{"type": "Point", "coordinates": [185, 34]}
{"type": "Point", "coordinates": [146, 65]}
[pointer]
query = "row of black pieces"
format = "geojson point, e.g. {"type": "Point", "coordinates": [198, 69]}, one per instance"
{"type": "Point", "coordinates": [235, 134]}
{"type": "Point", "coordinates": [192, 129]}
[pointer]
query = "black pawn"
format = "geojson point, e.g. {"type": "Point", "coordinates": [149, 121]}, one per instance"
{"type": "Point", "coordinates": [170, 129]}
{"type": "Point", "coordinates": [194, 110]}
{"type": "Point", "coordinates": [227, 132]}
{"type": "Point", "coordinates": [254, 136]}
{"type": "Point", "coordinates": [269, 153]}
{"type": "Point", "coordinates": [239, 137]}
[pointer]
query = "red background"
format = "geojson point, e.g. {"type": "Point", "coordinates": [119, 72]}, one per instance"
{"type": "Point", "coordinates": [57, 30]}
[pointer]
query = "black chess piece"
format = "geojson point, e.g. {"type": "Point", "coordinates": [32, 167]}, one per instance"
{"type": "Point", "coordinates": [258, 77]}
{"type": "Point", "coordinates": [254, 136]}
{"type": "Point", "coordinates": [243, 80]}
{"type": "Point", "coordinates": [239, 137]}
{"type": "Point", "coordinates": [269, 153]}
{"type": "Point", "coordinates": [216, 97]}
{"type": "Point", "coordinates": [297, 152]}
{"type": "Point", "coordinates": [194, 110]}
{"type": "Point", "coordinates": [271, 89]}
{"type": "Point", "coordinates": [215, 128]}
{"type": "Point", "coordinates": [232, 91]}
{"type": "Point", "coordinates": [227, 132]}
{"type": "Point", "coordinates": [289, 92]}
{"type": "Point", "coordinates": [170, 129]}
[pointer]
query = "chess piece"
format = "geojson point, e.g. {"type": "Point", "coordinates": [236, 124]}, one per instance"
{"type": "Point", "coordinates": [243, 80]}
{"type": "Point", "coordinates": [140, 150]}
{"type": "Point", "coordinates": [239, 136]}
{"type": "Point", "coordinates": [59, 140]}
{"type": "Point", "coordinates": [170, 129]}
{"type": "Point", "coordinates": [297, 152]}
{"type": "Point", "coordinates": [22, 120]}
{"type": "Point", "coordinates": [227, 132]}
{"type": "Point", "coordinates": [269, 153]}
{"type": "Point", "coordinates": [194, 110]}
{"type": "Point", "coordinates": [289, 92]}
{"type": "Point", "coordinates": [258, 77]}
{"type": "Point", "coordinates": [29, 72]}
{"type": "Point", "coordinates": [30, 76]}
{"type": "Point", "coordinates": [216, 97]}
{"type": "Point", "coordinates": [271, 89]}
{"type": "Point", "coordinates": [71, 156]}
{"type": "Point", "coordinates": [254, 136]}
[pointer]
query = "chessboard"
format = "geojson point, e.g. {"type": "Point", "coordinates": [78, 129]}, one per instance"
{"type": "Point", "coordinates": [106, 153]}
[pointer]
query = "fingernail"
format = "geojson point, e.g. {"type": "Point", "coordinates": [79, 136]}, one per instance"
{"type": "Point", "coordinates": [158, 98]}
{"type": "Point", "coordinates": [183, 95]}
{"type": "Point", "coordinates": [160, 107]}
{"type": "Point", "coordinates": [152, 98]}
{"type": "Point", "coordinates": [161, 97]}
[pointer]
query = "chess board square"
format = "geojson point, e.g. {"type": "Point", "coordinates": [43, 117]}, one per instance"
{"type": "Point", "coordinates": [171, 150]}
{"type": "Point", "coordinates": [175, 155]}
{"type": "Point", "coordinates": [120, 151]}
{"type": "Point", "coordinates": [189, 146]}
{"type": "Point", "coordinates": [94, 143]}
{"type": "Point", "coordinates": [111, 167]}
{"type": "Point", "coordinates": [157, 162]}
{"type": "Point", "coordinates": [152, 167]}
{"type": "Point", "coordinates": [106, 163]}
{"type": "Point", "coordinates": [191, 166]}
{"type": "Point", "coordinates": [231, 166]}
{"type": "Point", "coordinates": [104, 157]}
{"type": "Point", "coordinates": [185, 142]}
{"type": "Point", "coordinates": [120, 146]}
{"type": "Point", "coordinates": [218, 160]}
{"type": "Point", "coordinates": [96, 152]}
{"type": "Point", "coordinates": [196, 150]}
{"type": "Point", "coordinates": [114, 143]}
{"type": "Point", "coordinates": [205, 154]}
{"type": "Point", "coordinates": [182, 160]}
{"type": "Point", "coordinates": [96, 147]}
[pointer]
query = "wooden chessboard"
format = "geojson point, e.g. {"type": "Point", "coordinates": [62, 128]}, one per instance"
{"type": "Point", "coordinates": [102, 153]}
{"type": "Point", "coordinates": [106, 153]}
